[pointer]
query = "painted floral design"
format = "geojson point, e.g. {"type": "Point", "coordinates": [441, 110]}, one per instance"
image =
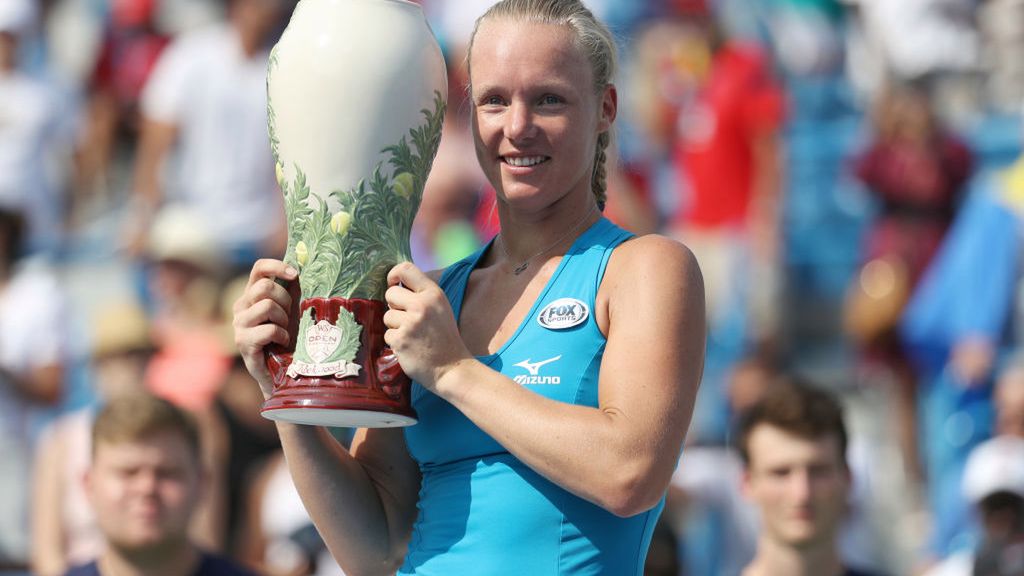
{"type": "Point", "coordinates": [347, 252]}
{"type": "Point", "coordinates": [345, 244]}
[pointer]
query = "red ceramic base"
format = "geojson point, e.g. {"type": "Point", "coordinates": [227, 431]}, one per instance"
{"type": "Point", "coordinates": [379, 396]}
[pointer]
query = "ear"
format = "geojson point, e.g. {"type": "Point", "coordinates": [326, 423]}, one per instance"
{"type": "Point", "coordinates": [609, 108]}
{"type": "Point", "coordinates": [746, 487]}
{"type": "Point", "coordinates": [88, 482]}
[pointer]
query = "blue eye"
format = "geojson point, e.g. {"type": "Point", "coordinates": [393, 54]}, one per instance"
{"type": "Point", "coordinates": [492, 101]}
{"type": "Point", "coordinates": [550, 99]}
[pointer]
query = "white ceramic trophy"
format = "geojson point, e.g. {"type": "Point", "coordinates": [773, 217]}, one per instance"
{"type": "Point", "coordinates": [356, 95]}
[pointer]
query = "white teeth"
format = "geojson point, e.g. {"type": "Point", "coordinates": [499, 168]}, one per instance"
{"type": "Point", "coordinates": [525, 161]}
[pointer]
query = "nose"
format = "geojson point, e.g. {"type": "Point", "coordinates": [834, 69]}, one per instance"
{"type": "Point", "coordinates": [800, 486]}
{"type": "Point", "coordinates": [146, 482]}
{"type": "Point", "coordinates": [519, 122]}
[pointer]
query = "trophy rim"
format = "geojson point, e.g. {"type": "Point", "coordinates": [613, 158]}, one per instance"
{"type": "Point", "coordinates": [338, 417]}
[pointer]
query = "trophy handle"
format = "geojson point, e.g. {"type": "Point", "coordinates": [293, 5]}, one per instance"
{"type": "Point", "coordinates": [390, 374]}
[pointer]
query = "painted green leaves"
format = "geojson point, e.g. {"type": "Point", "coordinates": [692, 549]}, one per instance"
{"type": "Point", "coordinates": [344, 245]}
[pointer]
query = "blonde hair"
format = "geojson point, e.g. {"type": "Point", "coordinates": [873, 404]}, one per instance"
{"type": "Point", "coordinates": [594, 40]}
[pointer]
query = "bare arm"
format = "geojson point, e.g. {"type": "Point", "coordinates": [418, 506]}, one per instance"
{"type": "Point", "coordinates": [362, 501]}
{"type": "Point", "coordinates": [156, 140]}
{"type": "Point", "coordinates": [208, 523]}
{"type": "Point", "coordinates": [49, 556]}
{"type": "Point", "coordinates": [619, 455]}
{"type": "Point", "coordinates": [41, 384]}
{"type": "Point", "coordinates": [767, 199]}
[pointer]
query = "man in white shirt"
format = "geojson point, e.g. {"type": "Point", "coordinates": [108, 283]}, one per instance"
{"type": "Point", "coordinates": [31, 126]}
{"type": "Point", "coordinates": [204, 139]}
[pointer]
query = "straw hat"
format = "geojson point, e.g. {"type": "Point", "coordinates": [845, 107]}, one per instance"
{"type": "Point", "coordinates": [121, 328]}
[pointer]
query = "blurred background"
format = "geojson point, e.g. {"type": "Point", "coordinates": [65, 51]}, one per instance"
{"type": "Point", "coordinates": [847, 172]}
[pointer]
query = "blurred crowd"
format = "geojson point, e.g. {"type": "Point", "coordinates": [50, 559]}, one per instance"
{"type": "Point", "coordinates": [848, 173]}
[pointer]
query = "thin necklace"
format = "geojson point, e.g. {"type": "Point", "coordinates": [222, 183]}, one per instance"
{"type": "Point", "coordinates": [526, 263]}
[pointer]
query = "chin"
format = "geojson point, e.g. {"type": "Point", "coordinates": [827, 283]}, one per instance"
{"type": "Point", "coordinates": [803, 537]}
{"type": "Point", "coordinates": [148, 542]}
{"type": "Point", "coordinates": [143, 535]}
{"type": "Point", "coordinates": [518, 192]}
{"type": "Point", "coordinates": [137, 542]}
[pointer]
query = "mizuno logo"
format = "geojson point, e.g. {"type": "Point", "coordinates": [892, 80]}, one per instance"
{"type": "Point", "coordinates": [534, 367]}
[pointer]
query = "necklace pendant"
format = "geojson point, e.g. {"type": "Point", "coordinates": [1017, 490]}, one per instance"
{"type": "Point", "coordinates": [520, 268]}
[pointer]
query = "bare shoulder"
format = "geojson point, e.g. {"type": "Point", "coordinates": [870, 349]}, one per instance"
{"type": "Point", "coordinates": [651, 275]}
{"type": "Point", "coordinates": [653, 258]}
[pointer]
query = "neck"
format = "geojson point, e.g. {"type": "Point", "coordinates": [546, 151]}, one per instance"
{"type": "Point", "coordinates": [523, 234]}
{"type": "Point", "coordinates": [820, 559]}
{"type": "Point", "coordinates": [249, 39]}
{"type": "Point", "coordinates": [250, 44]}
{"type": "Point", "coordinates": [557, 234]}
{"type": "Point", "coordinates": [173, 559]}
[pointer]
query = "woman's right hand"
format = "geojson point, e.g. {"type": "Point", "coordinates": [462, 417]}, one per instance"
{"type": "Point", "coordinates": [261, 317]}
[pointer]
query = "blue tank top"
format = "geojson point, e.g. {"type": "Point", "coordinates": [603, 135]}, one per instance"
{"type": "Point", "coordinates": [481, 510]}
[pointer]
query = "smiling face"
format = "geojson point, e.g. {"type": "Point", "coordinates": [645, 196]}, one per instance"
{"type": "Point", "coordinates": [144, 492]}
{"type": "Point", "coordinates": [536, 117]}
{"type": "Point", "coordinates": [799, 485]}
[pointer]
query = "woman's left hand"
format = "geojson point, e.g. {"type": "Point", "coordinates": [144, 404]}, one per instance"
{"type": "Point", "coordinates": [421, 326]}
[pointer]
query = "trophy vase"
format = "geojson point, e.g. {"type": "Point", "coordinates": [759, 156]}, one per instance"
{"type": "Point", "coordinates": [356, 95]}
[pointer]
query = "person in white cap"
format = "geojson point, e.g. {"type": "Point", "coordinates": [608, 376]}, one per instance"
{"type": "Point", "coordinates": [31, 127]}
{"type": "Point", "coordinates": [994, 484]}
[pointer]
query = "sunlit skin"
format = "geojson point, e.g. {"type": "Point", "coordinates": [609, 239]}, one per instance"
{"type": "Point", "coordinates": [144, 493]}
{"type": "Point", "coordinates": [1009, 403]}
{"type": "Point", "coordinates": [800, 488]}
{"type": "Point", "coordinates": [8, 51]}
{"type": "Point", "coordinates": [800, 485]}
{"type": "Point", "coordinates": [255, 19]}
{"type": "Point", "coordinates": [533, 96]}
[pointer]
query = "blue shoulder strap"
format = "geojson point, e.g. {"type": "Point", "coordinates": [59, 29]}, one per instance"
{"type": "Point", "coordinates": [455, 277]}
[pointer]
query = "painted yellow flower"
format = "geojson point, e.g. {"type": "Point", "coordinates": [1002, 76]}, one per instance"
{"type": "Point", "coordinates": [403, 185]}
{"type": "Point", "coordinates": [340, 222]}
{"type": "Point", "coordinates": [279, 171]}
{"type": "Point", "coordinates": [301, 253]}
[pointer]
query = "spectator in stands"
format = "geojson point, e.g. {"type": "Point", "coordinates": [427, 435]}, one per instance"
{"type": "Point", "coordinates": [33, 358]}
{"type": "Point", "coordinates": [34, 136]}
{"type": "Point", "coordinates": [725, 109]}
{"type": "Point", "coordinates": [994, 484]}
{"type": "Point", "coordinates": [793, 446]}
{"type": "Point", "coordinates": [131, 46]}
{"type": "Point", "coordinates": [916, 170]}
{"type": "Point", "coordinates": [145, 482]}
{"type": "Point", "coordinates": [64, 529]}
{"type": "Point", "coordinates": [206, 101]}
